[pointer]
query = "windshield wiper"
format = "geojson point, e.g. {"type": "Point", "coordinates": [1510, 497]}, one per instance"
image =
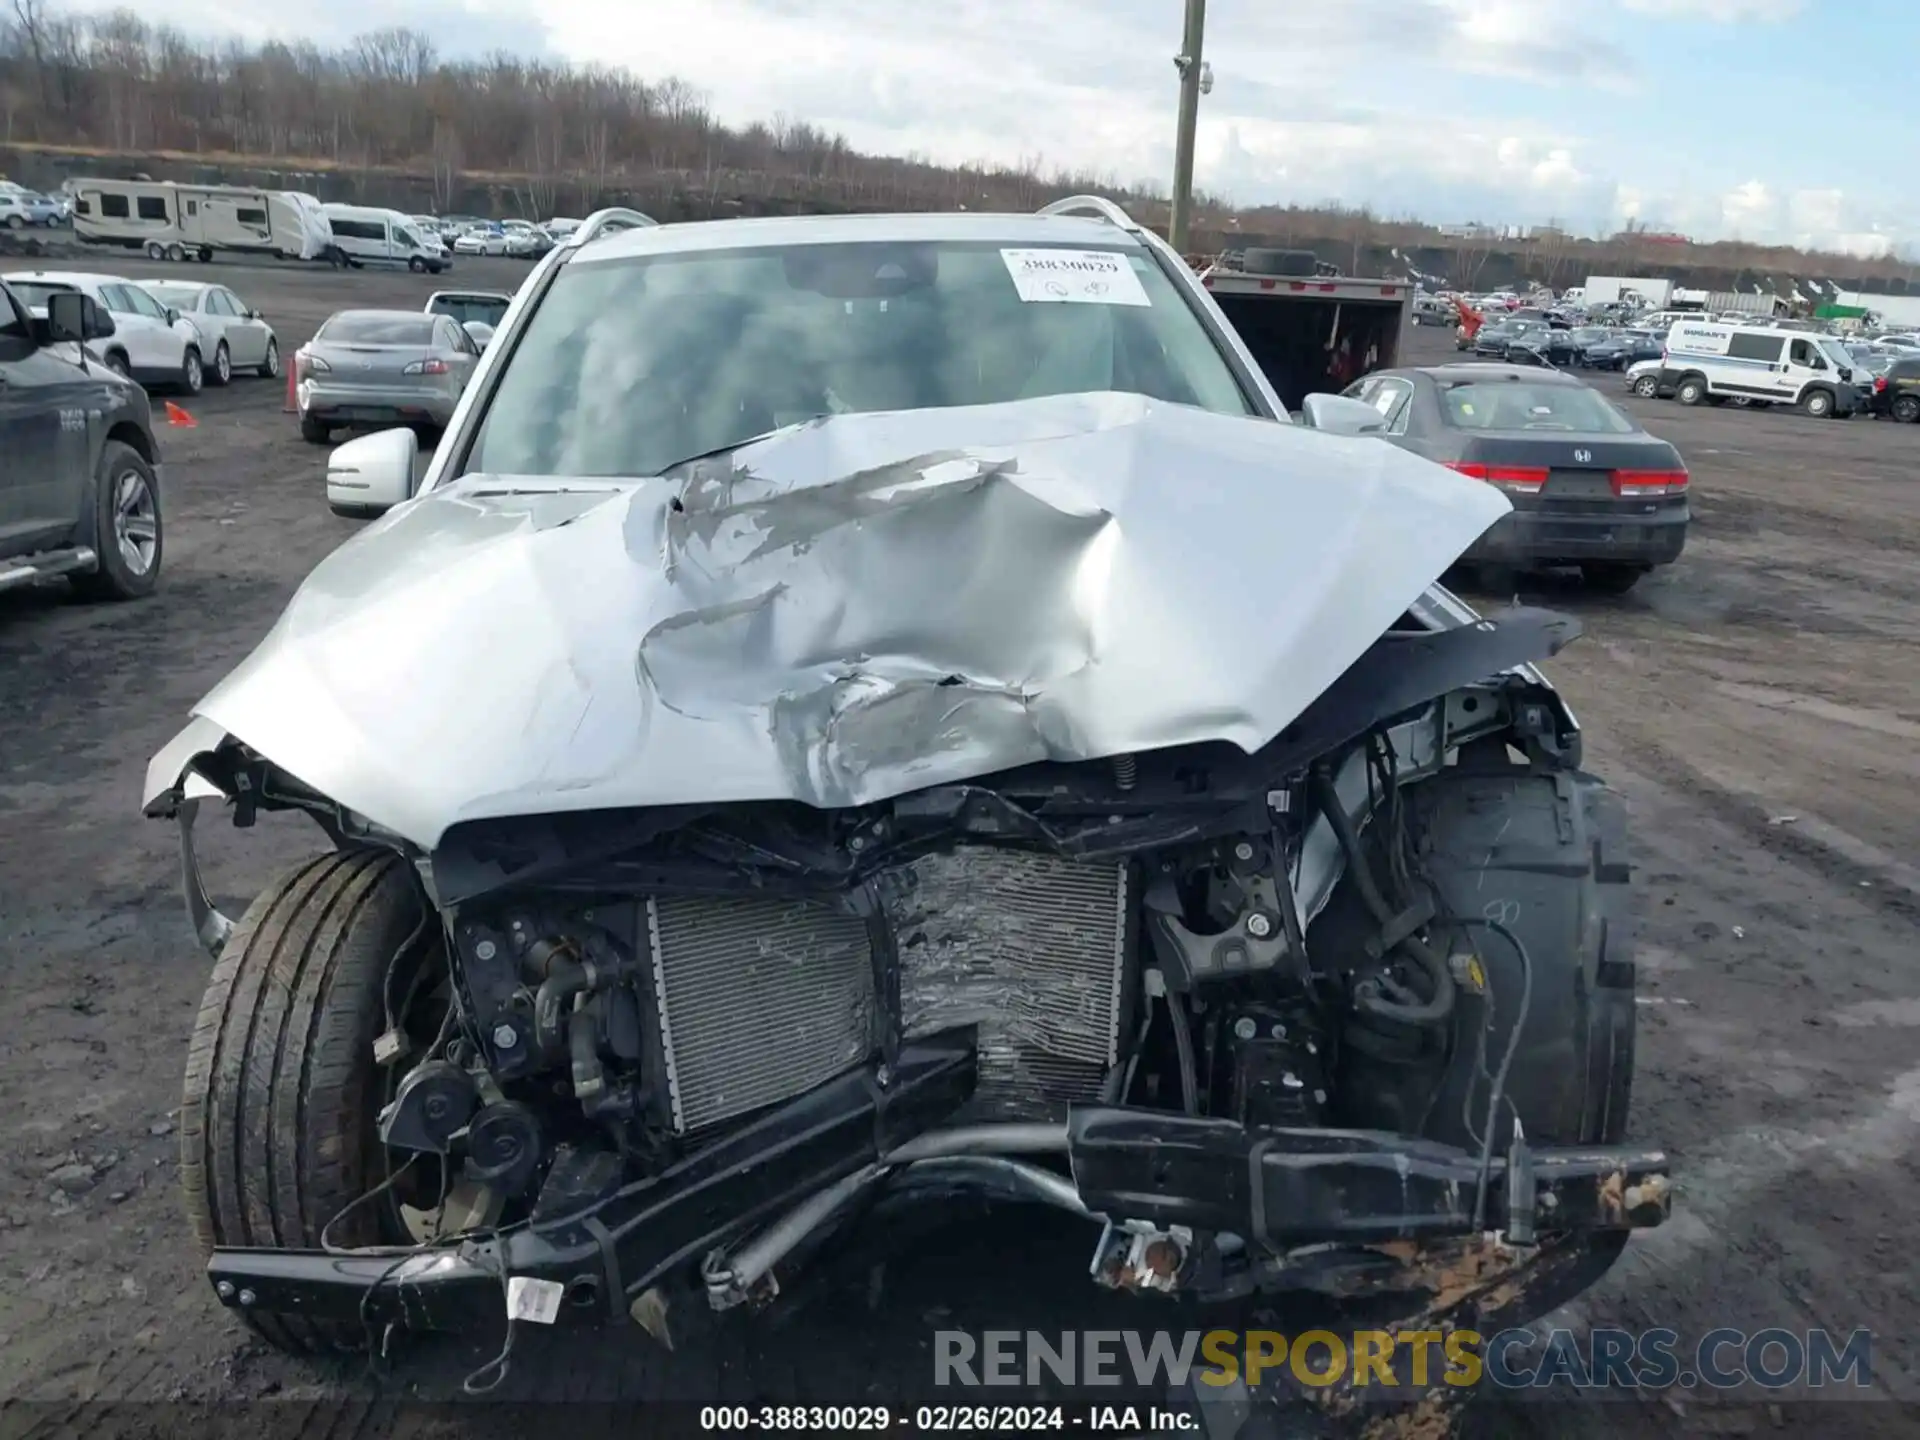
{"type": "Point", "coordinates": [733, 445]}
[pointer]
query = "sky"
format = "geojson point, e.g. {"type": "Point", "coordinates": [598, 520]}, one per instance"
{"type": "Point", "coordinates": [1759, 120]}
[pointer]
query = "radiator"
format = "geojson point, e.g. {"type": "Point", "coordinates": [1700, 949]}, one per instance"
{"type": "Point", "coordinates": [759, 999]}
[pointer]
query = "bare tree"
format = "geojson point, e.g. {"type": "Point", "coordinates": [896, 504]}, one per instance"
{"type": "Point", "coordinates": [446, 163]}
{"type": "Point", "coordinates": [30, 18]}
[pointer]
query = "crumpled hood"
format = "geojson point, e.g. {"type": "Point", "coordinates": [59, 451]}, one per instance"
{"type": "Point", "coordinates": [842, 612]}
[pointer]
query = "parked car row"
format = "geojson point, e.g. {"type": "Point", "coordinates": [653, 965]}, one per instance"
{"type": "Point", "coordinates": [1527, 340]}
{"type": "Point", "coordinates": [517, 239]}
{"type": "Point", "coordinates": [174, 333]}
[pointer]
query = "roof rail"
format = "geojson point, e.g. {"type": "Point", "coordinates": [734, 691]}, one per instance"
{"type": "Point", "coordinates": [609, 222]}
{"type": "Point", "coordinates": [1090, 205]}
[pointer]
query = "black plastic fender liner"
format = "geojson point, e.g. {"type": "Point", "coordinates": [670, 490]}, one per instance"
{"type": "Point", "coordinates": [1400, 672]}
{"type": "Point", "coordinates": [639, 1233]}
{"type": "Point", "coordinates": [1290, 1186]}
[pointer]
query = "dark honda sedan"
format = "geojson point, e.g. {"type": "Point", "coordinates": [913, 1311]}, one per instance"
{"type": "Point", "coordinates": [1623, 348]}
{"type": "Point", "coordinates": [1589, 487]}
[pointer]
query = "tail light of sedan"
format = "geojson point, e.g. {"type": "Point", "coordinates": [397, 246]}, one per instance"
{"type": "Point", "coordinates": [1520, 479]}
{"type": "Point", "coordinates": [1648, 484]}
{"type": "Point", "coordinates": [305, 364]}
{"type": "Point", "coordinates": [426, 367]}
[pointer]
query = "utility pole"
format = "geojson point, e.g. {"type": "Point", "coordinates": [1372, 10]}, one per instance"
{"type": "Point", "coordinates": [1192, 70]}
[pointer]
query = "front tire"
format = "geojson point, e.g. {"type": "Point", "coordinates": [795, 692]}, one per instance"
{"type": "Point", "coordinates": [126, 527]}
{"type": "Point", "coordinates": [1818, 404]}
{"type": "Point", "coordinates": [281, 1093]}
{"type": "Point", "coordinates": [1545, 853]}
{"type": "Point", "coordinates": [1646, 387]}
{"type": "Point", "coordinates": [417, 265]}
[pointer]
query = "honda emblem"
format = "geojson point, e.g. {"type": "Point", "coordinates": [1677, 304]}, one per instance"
{"type": "Point", "coordinates": [1583, 457]}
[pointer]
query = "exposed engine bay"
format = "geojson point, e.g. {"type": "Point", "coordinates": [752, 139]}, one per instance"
{"type": "Point", "coordinates": [761, 1012]}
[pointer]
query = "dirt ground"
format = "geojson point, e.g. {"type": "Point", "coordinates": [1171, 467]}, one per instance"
{"type": "Point", "coordinates": [1758, 704]}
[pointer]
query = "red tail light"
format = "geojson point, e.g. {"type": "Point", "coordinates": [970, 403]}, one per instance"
{"type": "Point", "coordinates": [1642, 484]}
{"type": "Point", "coordinates": [1524, 479]}
{"type": "Point", "coordinates": [426, 367]}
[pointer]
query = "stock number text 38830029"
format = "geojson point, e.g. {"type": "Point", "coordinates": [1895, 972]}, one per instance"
{"type": "Point", "coordinates": [929, 1419]}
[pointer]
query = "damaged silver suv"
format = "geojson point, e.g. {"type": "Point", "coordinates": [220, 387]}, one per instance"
{"type": "Point", "coordinates": [886, 706]}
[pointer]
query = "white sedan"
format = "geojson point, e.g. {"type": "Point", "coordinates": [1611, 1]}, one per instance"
{"type": "Point", "coordinates": [240, 336]}
{"type": "Point", "coordinates": [151, 342]}
{"type": "Point", "coordinates": [481, 242]}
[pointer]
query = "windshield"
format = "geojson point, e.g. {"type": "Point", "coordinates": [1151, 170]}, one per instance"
{"type": "Point", "coordinates": [33, 293]}
{"type": "Point", "coordinates": [1522, 405]}
{"type": "Point", "coordinates": [369, 327]}
{"type": "Point", "coordinates": [631, 365]}
{"type": "Point", "coordinates": [1837, 353]}
{"type": "Point", "coordinates": [487, 309]}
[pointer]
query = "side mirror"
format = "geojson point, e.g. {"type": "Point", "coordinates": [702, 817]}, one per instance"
{"type": "Point", "coordinates": [371, 475]}
{"type": "Point", "coordinates": [481, 333]}
{"type": "Point", "coordinates": [173, 316]}
{"type": "Point", "coordinates": [76, 317]}
{"type": "Point", "coordinates": [1338, 415]}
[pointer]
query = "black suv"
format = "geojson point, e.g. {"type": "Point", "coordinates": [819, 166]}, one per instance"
{"type": "Point", "coordinates": [1897, 392]}
{"type": "Point", "coordinates": [80, 486]}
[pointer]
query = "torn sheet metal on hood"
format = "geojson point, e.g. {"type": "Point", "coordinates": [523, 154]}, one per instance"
{"type": "Point", "coordinates": [845, 611]}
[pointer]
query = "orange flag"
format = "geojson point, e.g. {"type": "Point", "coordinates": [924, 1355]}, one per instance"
{"type": "Point", "coordinates": [180, 418]}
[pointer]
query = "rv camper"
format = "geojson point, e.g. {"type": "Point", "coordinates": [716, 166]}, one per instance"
{"type": "Point", "coordinates": [173, 222]}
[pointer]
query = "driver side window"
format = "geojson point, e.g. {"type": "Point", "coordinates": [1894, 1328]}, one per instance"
{"type": "Point", "coordinates": [142, 303]}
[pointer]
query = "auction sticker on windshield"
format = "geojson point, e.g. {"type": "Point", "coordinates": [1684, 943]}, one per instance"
{"type": "Point", "coordinates": [1074, 277]}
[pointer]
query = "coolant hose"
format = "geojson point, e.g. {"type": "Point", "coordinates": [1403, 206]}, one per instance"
{"type": "Point", "coordinates": [1439, 1006]}
{"type": "Point", "coordinates": [553, 1003]}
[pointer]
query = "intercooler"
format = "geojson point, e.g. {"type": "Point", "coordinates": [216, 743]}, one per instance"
{"type": "Point", "coordinates": [761, 999]}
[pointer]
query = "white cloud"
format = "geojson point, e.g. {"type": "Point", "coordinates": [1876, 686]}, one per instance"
{"type": "Point", "coordinates": [1748, 210]}
{"type": "Point", "coordinates": [1723, 12]}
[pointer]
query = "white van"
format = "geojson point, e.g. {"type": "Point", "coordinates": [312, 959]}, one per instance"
{"type": "Point", "coordinates": [1707, 361]}
{"type": "Point", "coordinates": [175, 222]}
{"type": "Point", "coordinates": [369, 236]}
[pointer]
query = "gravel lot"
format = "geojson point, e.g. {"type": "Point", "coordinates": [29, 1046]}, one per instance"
{"type": "Point", "coordinates": [1759, 705]}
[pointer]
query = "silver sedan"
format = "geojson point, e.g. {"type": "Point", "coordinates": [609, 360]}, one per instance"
{"type": "Point", "coordinates": [380, 368]}
{"type": "Point", "coordinates": [237, 336]}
